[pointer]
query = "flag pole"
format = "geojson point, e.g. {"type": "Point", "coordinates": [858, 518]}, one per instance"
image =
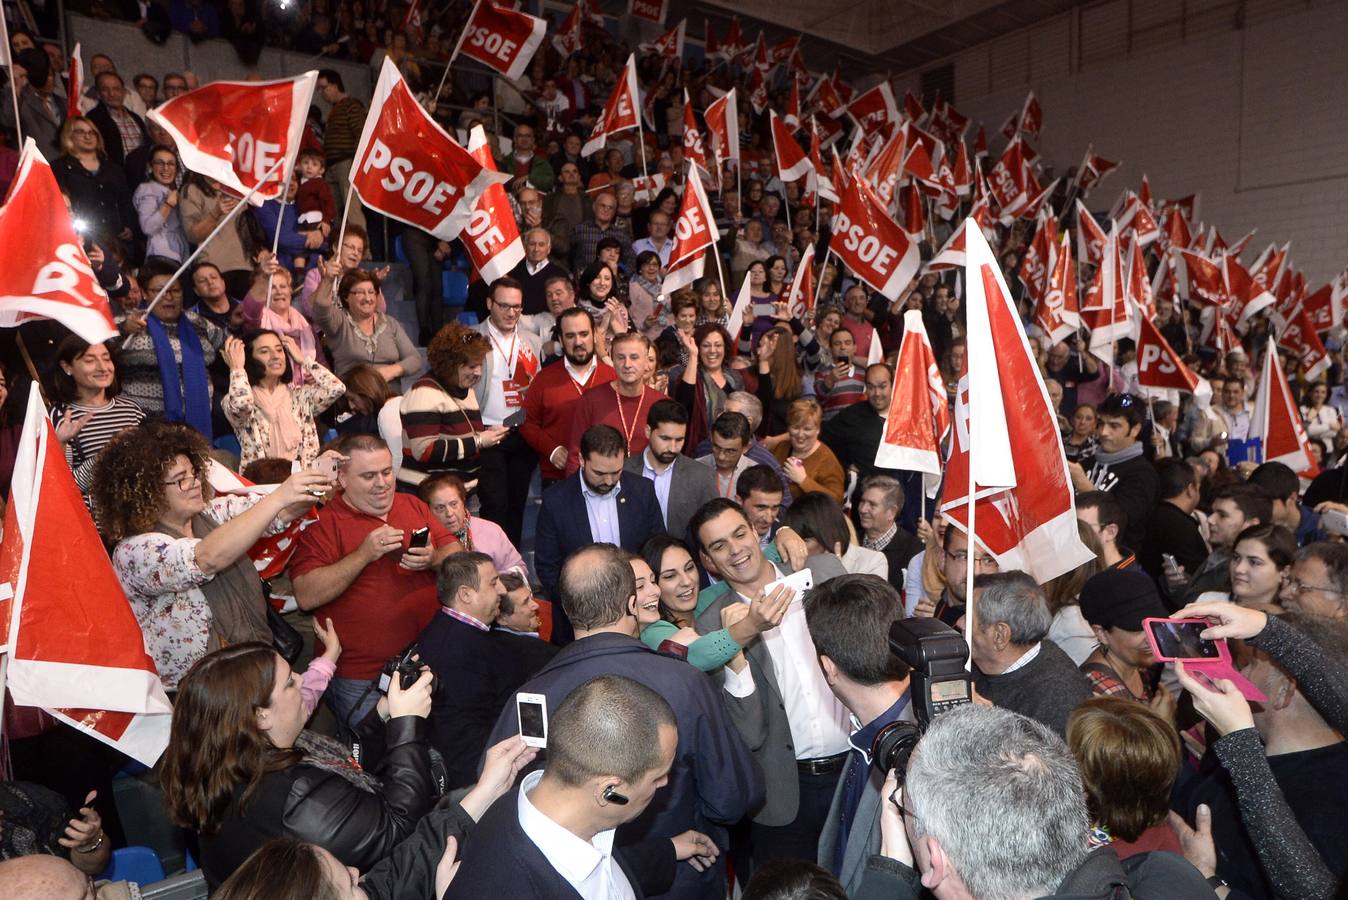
{"type": "Point", "coordinates": [276, 240]}
{"type": "Point", "coordinates": [720, 272]}
{"type": "Point", "coordinates": [341, 235]}
{"type": "Point", "coordinates": [14, 96]}
{"type": "Point", "coordinates": [970, 608]}
{"type": "Point", "coordinates": [819, 279]}
{"type": "Point", "coordinates": [210, 237]}
{"type": "Point", "coordinates": [454, 55]}
{"type": "Point", "coordinates": [28, 363]}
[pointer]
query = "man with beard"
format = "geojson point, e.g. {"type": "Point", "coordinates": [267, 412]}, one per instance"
{"type": "Point", "coordinates": [550, 402]}
{"type": "Point", "coordinates": [600, 503]}
{"type": "Point", "coordinates": [559, 295]}
{"type": "Point", "coordinates": [665, 465]}
{"type": "Point", "coordinates": [623, 403]}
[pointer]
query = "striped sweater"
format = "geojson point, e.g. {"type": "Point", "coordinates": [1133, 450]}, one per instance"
{"type": "Point", "coordinates": [105, 423]}
{"type": "Point", "coordinates": [439, 433]}
{"type": "Point", "coordinates": [341, 133]}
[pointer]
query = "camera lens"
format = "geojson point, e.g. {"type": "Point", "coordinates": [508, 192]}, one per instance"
{"type": "Point", "coordinates": [893, 745]}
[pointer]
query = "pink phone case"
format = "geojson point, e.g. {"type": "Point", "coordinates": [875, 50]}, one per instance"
{"type": "Point", "coordinates": [1213, 669]}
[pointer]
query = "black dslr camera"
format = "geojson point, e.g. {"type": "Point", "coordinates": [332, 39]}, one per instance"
{"type": "Point", "coordinates": [406, 665]}
{"type": "Point", "coordinates": [935, 654]}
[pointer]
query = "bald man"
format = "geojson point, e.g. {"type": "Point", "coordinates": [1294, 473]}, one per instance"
{"type": "Point", "coordinates": [48, 877]}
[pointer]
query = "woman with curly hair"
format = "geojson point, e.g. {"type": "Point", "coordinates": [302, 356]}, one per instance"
{"type": "Point", "coordinates": [181, 553]}
{"type": "Point", "coordinates": [442, 422]}
{"type": "Point", "coordinates": [357, 331]}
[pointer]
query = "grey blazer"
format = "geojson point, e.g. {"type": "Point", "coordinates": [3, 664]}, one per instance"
{"type": "Point", "coordinates": [769, 739]}
{"type": "Point", "coordinates": [863, 841]}
{"type": "Point", "coordinates": [693, 484]}
{"type": "Point", "coordinates": [533, 341]}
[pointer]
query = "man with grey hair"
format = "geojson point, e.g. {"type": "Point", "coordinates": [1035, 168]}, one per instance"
{"type": "Point", "coordinates": [878, 506]}
{"type": "Point", "coordinates": [749, 406]}
{"type": "Point", "coordinates": [1014, 665]}
{"type": "Point", "coordinates": [536, 269]}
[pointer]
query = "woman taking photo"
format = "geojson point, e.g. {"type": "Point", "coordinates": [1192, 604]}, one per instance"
{"type": "Point", "coordinates": [156, 204]}
{"type": "Point", "coordinates": [240, 768]}
{"type": "Point", "coordinates": [181, 553]}
{"type": "Point", "coordinates": [1261, 562]}
{"type": "Point", "coordinates": [271, 416]}
{"type": "Point", "coordinates": [91, 411]}
{"type": "Point", "coordinates": [357, 332]}
{"type": "Point", "coordinates": [1322, 420]}
{"type": "Point", "coordinates": [809, 464]}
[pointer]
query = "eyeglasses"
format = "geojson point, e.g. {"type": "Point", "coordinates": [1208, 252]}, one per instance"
{"type": "Point", "coordinates": [905, 811]}
{"type": "Point", "coordinates": [962, 557]}
{"type": "Point", "coordinates": [1300, 587]}
{"type": "Point", "coordinates": [187, 482]}
{"type": "Point", "coordinates": [83, 132]}
{"type": "Point", "coordinates": [508, 307]}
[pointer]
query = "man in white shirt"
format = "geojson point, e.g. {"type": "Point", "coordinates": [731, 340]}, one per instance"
{"type": "Point", "coordinates": [1235, 410]}
{"type": "Point", "coordinates": [611, 745]}
{"type": "Point", "coordinates": [681, 484]}
{"type": "Point", "coordinates": [802, 740]}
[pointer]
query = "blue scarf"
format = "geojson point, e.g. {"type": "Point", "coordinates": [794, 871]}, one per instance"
{"type": "Point", "coordinates": [186, 399]}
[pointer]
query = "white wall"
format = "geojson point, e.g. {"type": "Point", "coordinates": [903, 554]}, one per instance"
{"type": "Point", "coordinates": [1255, 119]}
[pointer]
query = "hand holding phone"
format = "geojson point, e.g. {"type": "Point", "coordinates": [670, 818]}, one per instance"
{"type": "Point", "coordinates": [532, 710]}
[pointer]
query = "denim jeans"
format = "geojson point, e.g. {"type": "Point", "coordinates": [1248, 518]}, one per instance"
{"type": "Point", "coordinates": [350, 700]}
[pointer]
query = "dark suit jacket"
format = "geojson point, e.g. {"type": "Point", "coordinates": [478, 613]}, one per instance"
{"type": "Point", "coordinates": [500, 861]}
{"type": "Point", "coordinates": [528, 653]}
{"type": "Point", "coordinates": [714, 781]}
{"type": "Point", "coordinates": [854, 435]}
{"type": "Point", "coordinates": [564, 527]}
{"type": "Point", "coordinates": [534, 285]}
{"type": "Point", "coordinates": [693, 484]}
{"type": "Point", "coordinates": [475, 675]}
{"type": "Point", "coordinates": [899, 551]}
{"type": "Point", "coordinates": [112, 136]}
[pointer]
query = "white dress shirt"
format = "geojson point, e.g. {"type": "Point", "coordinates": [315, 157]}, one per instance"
{"type": "Point", "coordinates": [602, 511]}
{"type": "Point", "coordinates": [661, 480]}
{"type": "Point", "coordinates": [588, 866]}
{"type": "Point", "coordinates": [505, 352]}
{"type": "Point", "coordinates": [820, 725]}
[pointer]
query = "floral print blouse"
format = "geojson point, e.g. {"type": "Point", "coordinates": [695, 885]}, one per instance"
{"type": "Point", "coordinates": [162, 581]}
{"type": "Point", "coordinates": [320, 390]}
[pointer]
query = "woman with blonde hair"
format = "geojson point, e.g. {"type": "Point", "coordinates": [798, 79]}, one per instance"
{"type": "Point", "coordinates": [807, 462]}
{"type": "Point", "coordinates": [98, 190]}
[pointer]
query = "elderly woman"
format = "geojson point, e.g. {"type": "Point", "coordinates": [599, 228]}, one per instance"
{"type": "Point", "coordinates": [97, 186]}
{"type": "Point", "coordinates": [268, 304]}
{"type": "Point", "coordinates": [181, 554]}
{"type": "Point", "coordinates": [350, 255]}
{"type": "Point", "coordinates": [809, 464]}
{"type": "Point", "coordinates": [447, 497]}
{"type": "Point", "coordinates": [442, 424]}
{"type": "Point", "coordinates": [156, 204]}
{"type": "Point", "coordinates": [357, 332]}
{"type": "Point", "coordinates": [271, 416]}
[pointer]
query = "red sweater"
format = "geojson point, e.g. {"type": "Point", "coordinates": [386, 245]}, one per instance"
{"type": "Point", "coordinates": [548, 408]}
{"type": "Point", "coordinates": [599, 406]}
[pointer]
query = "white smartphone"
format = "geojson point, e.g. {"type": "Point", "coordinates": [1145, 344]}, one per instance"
{"type": "Point", "coordinates": [801, 581]}
{"type": "Point", "coordinates": [533, 717]}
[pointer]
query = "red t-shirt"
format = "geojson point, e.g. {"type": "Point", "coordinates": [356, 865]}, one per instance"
{"type": "Point", "coordinates": [387, 606]}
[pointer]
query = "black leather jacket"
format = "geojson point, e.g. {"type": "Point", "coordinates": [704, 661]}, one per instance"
{"type": "Point", "coordinates": [315, 805]}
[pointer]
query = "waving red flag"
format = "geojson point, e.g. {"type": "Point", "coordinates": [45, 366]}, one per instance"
{"type": "Point", "coordinates": [1007, 180]}
{"type": "Point", "coordinates": [1092, 171]}
{"type": "Point", "coordinates": [1160, 369]}
{"type": "Point", "coordinates": [872, 244]}
{"type": "Point", "coordinates": [1057, 313]}
{"type": "Point", "coordinates": [47, 275]}
{"type": "Point", "coordinates": [1299, 336]}
{"type": "Point", "coordinates": [1199, 278]}
{"type": "Point", "coordinates": [408, 168]}
{"type": "Point", "coordinates": [800, 296]}
{"type": "Point", "coordinates": [919, 413]}
{"type": "Point", "coordinates": [694, 232]}
{"type": "Point", "coordinates": [501, 39]}
{"type": "Point", "coordinates": [792, 163]}
{"type": "Point", "coordinates": [74, 83]}
{"type": "Point", "coordinates": [650, 10]}
{"type": "Point", "coordinates": [1276, 420]}
{"type": "Point", "coordinates": [693, 149]}
{"type": "Point", "coordinates": [712, 48]}
{"type": "Point", "coordinates": [723, 124]}
{"type": "Point", "coordinates": [241, 133]}
{"type": "Point", "coordinates": [620, 112]}
{"type": "Point", "coordinates": [875, 111]}
{"type": "Point", "coordinates": [1006, 433]}
{"type": "Point", "coordinates": [567, 40]}
{"type": "Point", "coordinates": [670, 44]}
{"type": "Point", "coordinates": [1249, 296]}
{"type": "Point", "coordinates": [492, 236]}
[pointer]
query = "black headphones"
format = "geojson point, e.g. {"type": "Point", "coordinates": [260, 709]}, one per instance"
{"type": "Point", "coordinates": [612, 796]}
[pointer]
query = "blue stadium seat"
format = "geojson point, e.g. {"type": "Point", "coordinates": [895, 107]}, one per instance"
{"type": "Point", "coordinates": [138, 864]}
{"type": "Point", "coordinates": [468, 317]}
{"type": "Point", "coordinates": [230, 443]}
{"type": "Point", "coordinates": [455, 287]}
{"type": "Point", "coordinates": [398, 253]}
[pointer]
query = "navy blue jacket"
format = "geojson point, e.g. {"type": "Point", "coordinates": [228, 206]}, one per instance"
{"type": "Point", "coordinates": [714, 781]}
{"type": "Point", "coordinates": [564, 527]}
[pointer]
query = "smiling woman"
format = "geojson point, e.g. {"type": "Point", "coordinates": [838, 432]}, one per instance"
{"type": "Point", "coordinates": [91, 412]}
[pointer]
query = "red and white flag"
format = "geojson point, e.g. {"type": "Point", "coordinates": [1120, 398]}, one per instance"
{"type": "Point", "coordinates": [1092, 171]}
{"type": "Point", "coordinates": [875, 110]}
{"type": "Point", "coordinates": [800, 296]}
{"type": "Point", "coordinates": [237, 132]}
{"type": "Point", "coordinates": [78, 653]}
{"type": "Point", "coordinates": [734, 37]}
{"type": "Point", "coordinates": [1160, 371]}
{"type": "Point", "coordinates": [567, 40]}
{"type": "Point", "coordinates": [1006, 434]}
{"type": "Point", "coordinates": [621, 112]}
{"type": "Point", "coordinates": [792, 115]}
{"type": "Point", "coordinates": [694, 232]}
{"type": "Point", "coordinates": [492, 236]}
{"type": "Point", "coordinates": [1325, 307]}
{"type": "Point", "coordinates": [872, 244]}
{"type": "Point", "coordinates": [650, 10]}
{"type": "Point", "coordinates": [712, 48]}
{"type": "Point", "coordinates": [1106, 310]}
{"type": "Point", "coordinates": [408, 168]}
{"type": "Point", "coordinates": [1027, 122]}
{"type": "Point", "coordinates": [723, 124]}
{"type": "Point", "coordinates": [1299, 336]}
{"type": "Point", "coordinates": [919, 412]}
{"type": "Point", "coordinates": [693, 149]}
{"type": "Point", "coordinates": [758, 91]}
{"type": "Point", "coordinates": [1007, 181]}
{"type": "Point", "coordinates": [501, 39]}
{"type": "Point", "coordinates": [1090, 238]}
{"type": "Point", "coordinates": [1276, 420]}
{"type": "Point", "coordinates": [50, 277]}
{"type": "Point", "coordinates": [1247, 295]}
{"type": "Point", "coordinates": [1057, 313]}
{"type": "Point", "coordinates": [826, 97]}
{"type": "Point", "coordinates": [670, 44]}
{"type": "Point", "coordinates": [792, 163]}
{"type": "Point", "coordinates": [738, 313]}
{"type": "Point", "coordinates": [413, 17]}
{"type": "Point", "coordinates": [74, 83]}
{"type": "Point", "coordinates": [951, 254]}
{"type": "Point", "coordinates": [782, 51]}
{"type": "Point", "coordinates": [1199, 278]}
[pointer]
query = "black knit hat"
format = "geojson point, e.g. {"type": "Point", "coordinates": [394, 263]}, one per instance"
{"type": "Point", "coordinates": [1120, 599]}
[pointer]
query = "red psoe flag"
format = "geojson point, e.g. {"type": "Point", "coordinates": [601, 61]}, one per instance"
{"type": "Point", "coordinates": [1160, 371]}
{"type": "Point", "coordinates": [919, 413]}
{"type": "Point", "coordinates": [1092, 171]}
{"type": "Point", "coordinates": [1090, 238]}
{"type": "Point", "coordinates": [1199, 278]}
{"type": "Point", "coordinates": [723, 124]}
{"type": "Point", "coordinates": [711, 47]}
{"type": "Point", "coordinates": [792, 163]}
{"type": "Point", "coordinates": [1276, 420]}
{"type": "Point", "coordinates": [620, 112]}
{"type": "Point", "coordinates": [502, 39]}
{"type": "Point", "coordinates": [872, 244]}
{"type": "Point", "coordinates": [48, 276]}
{"type": "Point", "coordinates": [77, 653]}
{"type": "Point", "coordinates": [693, 149]}
{"type": "Point", "coordinates": [1299, 336]}
{"type": "Point", "coordinates": [670, 44]}
{"type": "Point", "coordinates": [74, 83]}
{"type": "Point", "coordinates": [237, 131]}
{"type": "Point", "coordinates": [792, 116]}
{"type": "Point", "coordinates": [492, 236]}
{"type": "Point", "coordinates": [408, 168]}
{"type": "Point", "coordinates": [694, 231]}
{"type": "Point", "coordinates": [758, 90]}
{"type": "Point", "coordinates": [801, 294]}
{"type": "Point", "coordinates": [875, 111]}
{"type": "Point", "coordinates": [650, 10]}
{"type": "Point", "coordinates": [1006, 433]}
{"type": "Point", "coordinates": [1007, 181]}
{"type": "Point", "coordinates": [1057, 313]}
{"type": "Point", "coordinates": [567, 40]}
{"type": "Point", "coordinates": [1248, 295]}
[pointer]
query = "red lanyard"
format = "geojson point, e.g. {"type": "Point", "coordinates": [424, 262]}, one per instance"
{"type": "Point", "coordinates": [636, 418]}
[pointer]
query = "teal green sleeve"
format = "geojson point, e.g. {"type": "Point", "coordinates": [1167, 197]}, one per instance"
{"type": "Point", "coordinates": [708, 653]}
{"type": "Point", "coordinates": [711, 594]}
